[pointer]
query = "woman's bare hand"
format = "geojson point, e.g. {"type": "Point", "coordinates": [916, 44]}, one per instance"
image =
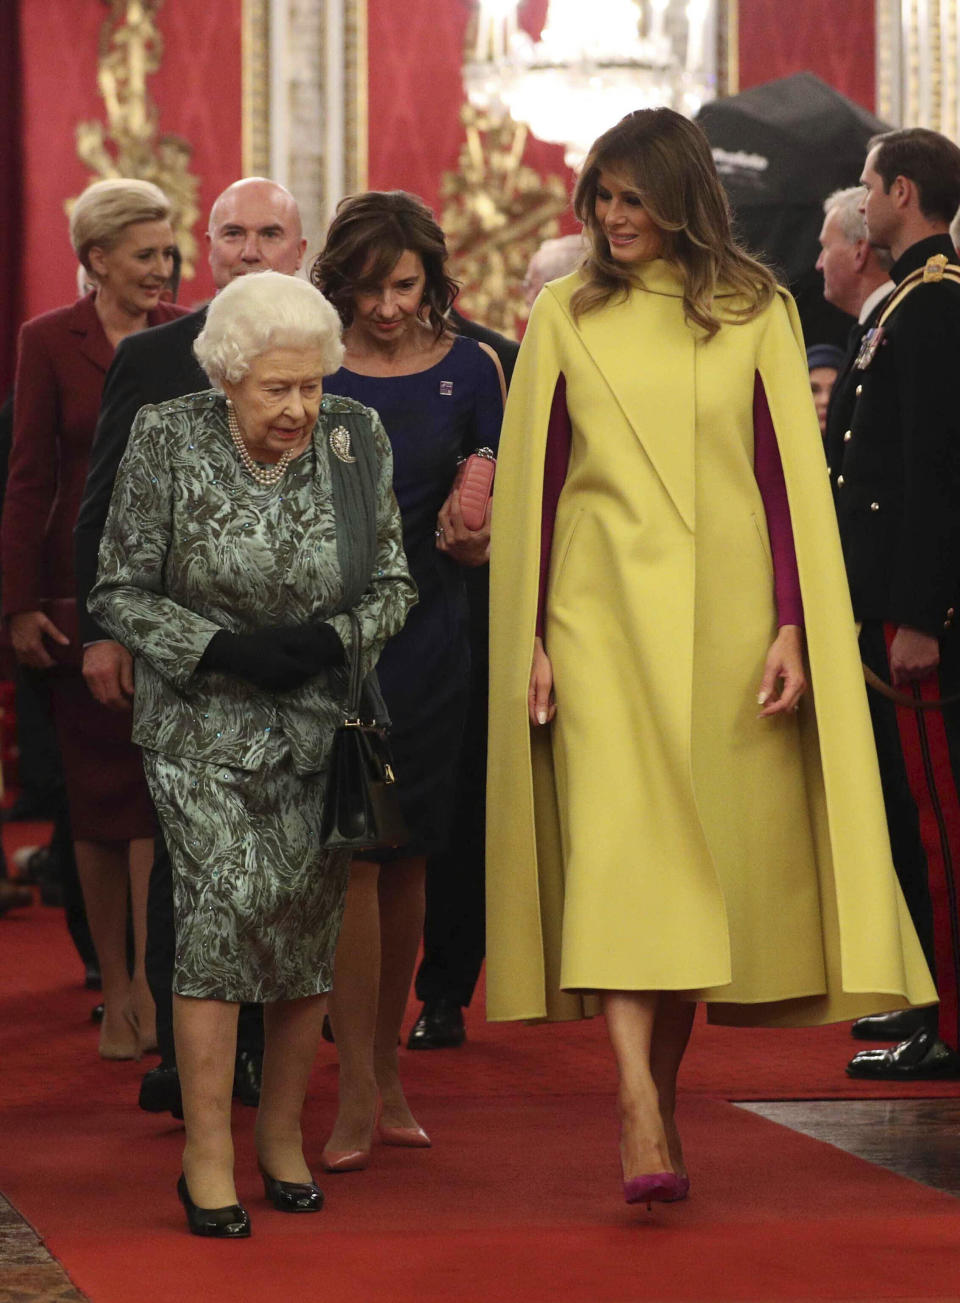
{"type": "Point", "coordinates": [471, 547]}
{"type": "Point", "coordinates": [784, 679]}
{"type": "Point", "coordinates": [27, 632]}
{"type": "Point", "coordinates": [540, 699]}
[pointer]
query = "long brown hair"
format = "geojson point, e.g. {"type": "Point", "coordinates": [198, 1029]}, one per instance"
{"type": "Point", "coordinates": [666, 158]}
{"type": "Point", "coordinates": [366, 238]}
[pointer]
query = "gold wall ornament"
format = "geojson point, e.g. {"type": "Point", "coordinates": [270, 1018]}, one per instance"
{"type": "Point", "coordinates": [918, 64]}
{"type": "Point", "coordinates": [496, 212]}
{"type": "Point", "coordinates": [131, 144]}
{"type": "Point", "coordinates": [255, 89]}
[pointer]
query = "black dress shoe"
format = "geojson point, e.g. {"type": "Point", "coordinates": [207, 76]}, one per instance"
{"type": "Point", "coordinates": [160, 1090]}
{"type": "Point", "coordinates": [96, 1013]}
{"type": "Point", "coordinates": [292, 1196]}
{"type": "Point", "coordinates": [247, 1074]}
{"type": "Point", "coordinates": [922, 1057]}
{"type": "Point", "coordinates": [229, 1223]}
{"type": "Point", "coordinates": [439, 1027]}
{"type": "Point", "coordinates": [897, 1026]}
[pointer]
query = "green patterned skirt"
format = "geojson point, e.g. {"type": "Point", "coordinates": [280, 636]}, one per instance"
{"type": "Point", "coordinates": [257, 903]}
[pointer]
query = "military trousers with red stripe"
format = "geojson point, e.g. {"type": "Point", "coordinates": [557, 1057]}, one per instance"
{"type": "Point", "coordinates": [919, 756]}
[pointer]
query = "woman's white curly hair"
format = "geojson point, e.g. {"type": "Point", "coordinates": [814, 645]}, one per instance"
{"type": "Point", "coordinates": [265, 310]}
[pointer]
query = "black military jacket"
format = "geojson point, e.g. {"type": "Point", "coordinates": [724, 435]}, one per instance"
{"type": "Point", "coordinates": [896, 467]}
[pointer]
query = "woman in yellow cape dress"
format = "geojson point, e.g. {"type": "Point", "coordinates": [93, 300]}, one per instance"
{"type": "Point", "coordinates": [655, 836]}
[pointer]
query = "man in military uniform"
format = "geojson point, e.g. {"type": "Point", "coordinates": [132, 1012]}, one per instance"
{"type": "Point", "coordinates": [896, 476]}
{"type": "Point", "coordinates": [856, 279]}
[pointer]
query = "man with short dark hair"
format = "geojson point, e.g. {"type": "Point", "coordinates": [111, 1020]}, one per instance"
{"type": "Point", "coordinates": [896, 475]}
{"type": "Point", "coordinates": [254, 226]}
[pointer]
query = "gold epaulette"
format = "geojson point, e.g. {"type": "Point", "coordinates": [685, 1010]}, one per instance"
{"type": "Point", "coordinates": [936, 268]}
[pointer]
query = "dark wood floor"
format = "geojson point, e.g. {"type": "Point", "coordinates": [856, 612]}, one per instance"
{"type": "Point", "coordinates": [919, 1139]}
{"type": "Point", "coordinates": [28, 1274]}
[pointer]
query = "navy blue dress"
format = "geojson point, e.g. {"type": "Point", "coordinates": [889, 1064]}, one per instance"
{"type": "Point", "coordinates": [432, 418]}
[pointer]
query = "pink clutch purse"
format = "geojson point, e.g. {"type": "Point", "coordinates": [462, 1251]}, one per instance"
{"type": "Point", "coordinates": [476, 486]}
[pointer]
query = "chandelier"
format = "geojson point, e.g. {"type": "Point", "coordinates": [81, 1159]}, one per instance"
{"type": "Point", "coordinates": [595, 61]}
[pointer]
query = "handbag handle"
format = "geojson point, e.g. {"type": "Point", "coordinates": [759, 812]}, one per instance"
{"type": "Point", "coordinates": [353, 691]}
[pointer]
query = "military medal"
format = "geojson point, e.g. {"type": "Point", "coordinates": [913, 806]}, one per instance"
{"type": "Point", "coordinates": [868, 347]}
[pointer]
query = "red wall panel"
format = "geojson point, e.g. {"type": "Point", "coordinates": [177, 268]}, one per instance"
{"type": "Point", "coordinates": [416, 92]}
{"type": "Point", "coordinates": [11, 196]}
{"type": "Point", "coordinates": [836, 39]}
{"type": "Point", "coordinates": [197, 91]}
{"type": "Point", "coordinates": [58, 42]}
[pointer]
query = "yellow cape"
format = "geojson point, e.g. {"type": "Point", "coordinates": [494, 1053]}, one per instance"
{"type": "Point", "coordinates": [657, 835]}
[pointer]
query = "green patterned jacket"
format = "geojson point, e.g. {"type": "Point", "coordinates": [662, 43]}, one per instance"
{"type": "Point", "coordinates": [193, 544]}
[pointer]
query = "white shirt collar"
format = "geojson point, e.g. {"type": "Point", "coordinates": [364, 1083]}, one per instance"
{"type": "Point", "coordinates": [871, 301]}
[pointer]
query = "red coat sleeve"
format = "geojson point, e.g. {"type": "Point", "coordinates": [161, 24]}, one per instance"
{"type": "Point", "coordinates": [32, 478]}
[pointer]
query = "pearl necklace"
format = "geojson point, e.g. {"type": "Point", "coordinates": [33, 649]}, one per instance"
{"type": "Point", "coordinates": [268, 476]}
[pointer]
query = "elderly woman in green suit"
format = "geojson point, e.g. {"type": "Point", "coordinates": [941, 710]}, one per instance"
{"type": "Point", "coordinates": [248, 524]}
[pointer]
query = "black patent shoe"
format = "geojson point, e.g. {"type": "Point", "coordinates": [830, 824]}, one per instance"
{"type": "Point", "coordinates": [292, 1196]}
{"type": "Point", "coordinates": [922, 1057]}
{"type": "Point", "coordinates": [230, 1223]}
{"type": "Point", "coordinates": [898, 1026]}
{"type": "Point", "coordinates": [439, 1027]}
{"type": "Point", "coordinates": [160, 1091]}
{"type": "Point", "coordinates": [247, 1075]}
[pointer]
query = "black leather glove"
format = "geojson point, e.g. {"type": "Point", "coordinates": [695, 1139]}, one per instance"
{"type": "Point", "coordinates": [320, 644]}
{"type": "Point", "coordinates": [277, 658]}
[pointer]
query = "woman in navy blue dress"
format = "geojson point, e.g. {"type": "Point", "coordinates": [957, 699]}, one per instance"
{"type": "Point", "coordinates": [440, 397]}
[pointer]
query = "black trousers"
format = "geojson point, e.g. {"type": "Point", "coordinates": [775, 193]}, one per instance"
{"type": "Point", "coordinates": [903, 822]}
{"type": "Point", "coordinates": [161, 947]}
{"type": "Point", "coordinates": [38, 764]}
{"type": "Point", "coordinates": [75, 912]}
{"type": "Point", "coordinates": [41, 777]}
{"type": "Point", "coordinates": [454, 930]}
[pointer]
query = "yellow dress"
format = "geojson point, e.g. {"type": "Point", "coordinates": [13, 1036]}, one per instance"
{"type": "Point", "coordinates": [658, 836]}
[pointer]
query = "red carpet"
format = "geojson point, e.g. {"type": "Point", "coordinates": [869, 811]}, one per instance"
{"type": "Point", "coordinates": [517, 1202]}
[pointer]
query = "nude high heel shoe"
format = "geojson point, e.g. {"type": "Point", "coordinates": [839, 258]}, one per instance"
{"type": "Point", "coordinates": [126, 1049]}
{"type": "Point", "coordinates": [345, 1160]}
{"type": "Point", "coordinates": [405, 1137]}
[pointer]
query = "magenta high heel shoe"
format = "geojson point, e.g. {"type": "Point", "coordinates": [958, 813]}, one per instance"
{"type": "Point", "coordinates": [681, 1192]}
{"type": "Point", "coordinates": [656, 1187]}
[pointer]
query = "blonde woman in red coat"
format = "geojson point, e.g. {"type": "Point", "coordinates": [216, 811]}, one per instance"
{"type": "Point", "coordinates": [121, 233]}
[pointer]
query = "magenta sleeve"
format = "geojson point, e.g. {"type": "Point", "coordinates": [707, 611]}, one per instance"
{"type": "Point", "coordinates": [769, 472]}
{"type": "Point", "coordinates": [555, 461]}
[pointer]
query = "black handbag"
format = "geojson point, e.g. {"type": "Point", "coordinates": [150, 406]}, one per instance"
{"type": "Point", "coordinates": [361, 808]}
